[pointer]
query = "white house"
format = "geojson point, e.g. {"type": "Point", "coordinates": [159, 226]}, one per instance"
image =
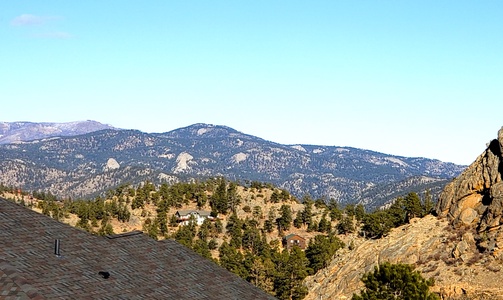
{"type": "Point", "coordinates": [197, 216]}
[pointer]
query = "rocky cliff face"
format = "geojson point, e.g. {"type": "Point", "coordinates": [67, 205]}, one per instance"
{"type": "Point", "coordinates": [475, 198]}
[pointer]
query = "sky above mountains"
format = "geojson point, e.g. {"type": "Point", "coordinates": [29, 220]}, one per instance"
{"type": "Point", "coordinates": [407, 78]}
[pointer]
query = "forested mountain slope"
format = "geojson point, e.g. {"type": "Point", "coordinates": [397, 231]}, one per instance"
{"type": "Point", "coordinates": [88, 164]}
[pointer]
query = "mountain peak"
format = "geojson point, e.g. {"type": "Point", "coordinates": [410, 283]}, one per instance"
{"type": "Point", "coordinates": [203, 131]}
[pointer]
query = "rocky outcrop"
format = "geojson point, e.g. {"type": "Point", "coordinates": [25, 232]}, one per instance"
{"type": "Point", "coordinates": [475, 198]}
{"type": "Point", "coordinates": [436, 250]}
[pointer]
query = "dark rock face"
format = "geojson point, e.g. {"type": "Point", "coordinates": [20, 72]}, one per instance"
{"type": "Point", "coordinates": [475, 198]}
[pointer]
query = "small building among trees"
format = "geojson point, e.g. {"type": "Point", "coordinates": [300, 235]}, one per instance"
{"type": "Point", "coordinates": [184, 217]}
{"type": "Point", "coordinates": [294, 239]}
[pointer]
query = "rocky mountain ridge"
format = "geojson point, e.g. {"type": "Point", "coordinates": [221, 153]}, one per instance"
{"type": "Point", "coordinates": [88, 164]}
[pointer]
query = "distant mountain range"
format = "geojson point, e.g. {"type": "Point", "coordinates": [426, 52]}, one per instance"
{"type": "Point", "coordinates": [88, 158]}
{"type": "Point", "coordinates": [11, 132]}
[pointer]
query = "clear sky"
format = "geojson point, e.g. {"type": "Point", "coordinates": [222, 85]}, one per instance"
{"type": "Point", "coordinates": [410, 78]}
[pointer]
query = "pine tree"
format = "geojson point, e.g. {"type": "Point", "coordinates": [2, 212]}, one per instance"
{"type": "Point", "coordinates": [261, 274]}
{"type": "Point", "coordinates": [320, 251]}
{"type": "Point", "coordinates": [233, 199]}
{"type": "Point", "coordinates": [324, 225]}
{"type": "Point", "coordinates": [395, 281]}
{"type": "Point", "coordinates": [219, 200]}
{"type": "Point", "coordinates": [346, 225]}
{"type": "Point", "coordinates": [232, 260]}
{"type": "Point", "coordinates": [359, 212]}
{"type": "Point", "coordinates": [291, 271]}
{"type": "Point", "coordinates": [427, 203]}
{"type": "Point", "coordinates": [413, 206]}
{"type": "Point", "coordinates": [377, 224]}
{"type": "Point", "coordinates": [285, 219]}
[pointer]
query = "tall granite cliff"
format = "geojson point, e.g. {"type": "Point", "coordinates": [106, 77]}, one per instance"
{"type": "Point", "coordinates": [475, 198]}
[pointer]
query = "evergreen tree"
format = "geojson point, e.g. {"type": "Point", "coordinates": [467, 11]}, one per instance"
{"type": "Point", "coordinates": [285, 218]}
{"type": "Point", "coordinates": [428, 204]}
{"type": "Point", "coordinates": [233, 199]}
{"type": "Point", "coordinates": [219, 200]}
{"type": "Point", "coordinates": [232, 260]}
{"type": "Point", "coordinates": [395, 281]}
{"type": "Point", "coordinates": [202, 248]}
{"type": "Point", "coordinates": [359, 212]}
{"type": "Point", "coordinates": [205, 230]}
{"type": "Point", "coordinates": [397, 212]}
{"type": "Point", "coordinates": [291, 272]}
{"type": "Point", "coordinates": [185, 234]}
{"type": "Point", "coordinates": [162, 222]}
{"type": "Point", "coordinates": [346, 225]}
{"type": "Point", "coordinates": [350, 210]}
{"type": "Point", "coordinates": [275, 197]}
{"type": "Point", "coordinates": [261, 274]}
{"type": "Point", "coordinates": [324, 225]}
{"type": "Point", "coordinates": [252, 240]}
{"type": "Point", "coordinates": [307, 213]}
{"type": "Point", "coordinates": [257, 212]}
{"type": "Point", "coordinates": [377, 224]}
{"type": "Point", "coordinates": [173, 221]}
{"type": "Point", "coordinates": [413, 206]}
{"type": "Point", "coordinates": [320, 250]}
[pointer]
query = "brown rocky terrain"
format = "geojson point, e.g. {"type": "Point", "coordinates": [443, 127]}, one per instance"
{"type": "Point", "coordinates": [460, 249]}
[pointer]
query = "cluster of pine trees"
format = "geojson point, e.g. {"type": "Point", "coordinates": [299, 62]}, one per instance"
{"type": "Point", "coordinates": [378, 223]}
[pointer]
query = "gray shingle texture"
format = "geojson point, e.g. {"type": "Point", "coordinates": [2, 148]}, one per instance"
{"type": "Point", "coordinates": [139, 267]}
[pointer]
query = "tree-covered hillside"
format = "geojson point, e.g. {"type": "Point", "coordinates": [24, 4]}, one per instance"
{"type": "Point", "coordinates": [246, 230]}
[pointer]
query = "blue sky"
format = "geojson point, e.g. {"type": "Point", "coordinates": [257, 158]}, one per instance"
{"type": "Point", "coordinates": [410, 78]}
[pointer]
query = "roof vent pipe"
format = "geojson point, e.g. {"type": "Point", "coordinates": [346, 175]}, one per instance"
{"type": "Point", "coordinates": [57, 248]}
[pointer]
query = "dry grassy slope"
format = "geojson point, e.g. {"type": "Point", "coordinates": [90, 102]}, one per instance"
{"type": "Point", "coordinates": [428, 243]}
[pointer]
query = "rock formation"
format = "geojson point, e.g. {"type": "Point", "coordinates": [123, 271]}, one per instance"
{"type": "Point", "coordinates": [475, 198]}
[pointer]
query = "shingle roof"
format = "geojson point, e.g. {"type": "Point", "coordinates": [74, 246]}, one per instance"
{"type": "Point", "coordinates": [139, 267]}
{"type": "Point", "coordinates": [291, 235]}
{"type": "Point", "coordinates": [185, 212]}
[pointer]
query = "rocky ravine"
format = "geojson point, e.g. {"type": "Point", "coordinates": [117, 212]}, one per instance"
{"type": "Point", "coordinates": [460, 249]}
